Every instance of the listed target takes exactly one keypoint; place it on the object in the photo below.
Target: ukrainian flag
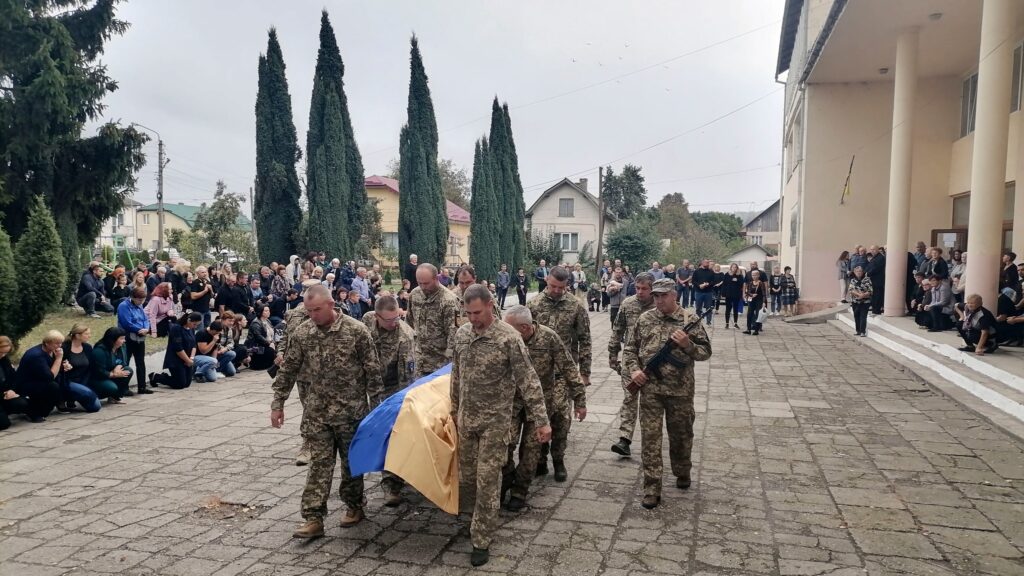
(412, 435)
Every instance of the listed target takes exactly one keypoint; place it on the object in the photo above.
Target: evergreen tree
(517, 233)
(484, 245)
(328, 186)
(501, 174)
(40, 285)
(9, 295)
(422, 215)
(276, 203)
(52, 86)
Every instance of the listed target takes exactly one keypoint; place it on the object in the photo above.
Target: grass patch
(62, 320)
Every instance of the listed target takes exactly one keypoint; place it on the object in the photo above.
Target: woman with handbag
(756, 296)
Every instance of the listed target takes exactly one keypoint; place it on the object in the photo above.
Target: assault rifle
(664, 356)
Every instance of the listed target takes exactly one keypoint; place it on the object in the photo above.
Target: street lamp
(161, 162)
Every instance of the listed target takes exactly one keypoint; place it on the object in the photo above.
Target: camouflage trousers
(481, 456)
(628, 410)
(678, 414)
(559, 409)
(302, 386)
(327, 441)
(523, 437)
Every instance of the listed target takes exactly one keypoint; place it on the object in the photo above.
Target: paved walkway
(813, 456)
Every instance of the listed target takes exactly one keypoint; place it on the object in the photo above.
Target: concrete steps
(992, 392)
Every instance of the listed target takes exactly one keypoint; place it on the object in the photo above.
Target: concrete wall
(856, 119)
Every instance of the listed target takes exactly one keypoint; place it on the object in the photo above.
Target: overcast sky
(684, 89)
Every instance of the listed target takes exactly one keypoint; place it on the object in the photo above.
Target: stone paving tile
(812, 455)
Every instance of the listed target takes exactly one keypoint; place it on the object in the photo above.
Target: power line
(720, 174)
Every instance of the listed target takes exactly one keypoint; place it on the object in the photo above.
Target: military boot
(683, 482)
(515, 504)
(507, 480)
(622, 447)
(479, 557)
(352, 517)
(309, 530)
(651, 501)
(561, 475)
(542, 463)
(303, 457)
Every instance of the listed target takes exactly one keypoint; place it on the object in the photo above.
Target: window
(793, 222)
(389, 240)
(570, 241)
(1015, 85)
(968, 104)
(120, 219)
(962, 206)
(565, 207)
(145, 219)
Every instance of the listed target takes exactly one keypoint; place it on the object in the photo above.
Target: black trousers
(877, 294)
(860, 316)
(502, 294)
(17, 405)
(521, 294)
(137, 353)
(939, 320)
(43, 397)
(732, 305)
(972, 337)
(752, 323)
(180, 377)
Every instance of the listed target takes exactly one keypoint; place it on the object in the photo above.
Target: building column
(988, 167)
(901, 165)
(1018, 200)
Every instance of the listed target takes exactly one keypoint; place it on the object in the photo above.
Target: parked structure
(570, 212)
(924, 99)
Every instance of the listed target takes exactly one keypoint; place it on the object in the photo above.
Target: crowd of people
(936, 296)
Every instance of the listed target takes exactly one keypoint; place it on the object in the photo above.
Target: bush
(41, 278)
(543, 247)
(635, 242)
(387, 276)
(8, 287)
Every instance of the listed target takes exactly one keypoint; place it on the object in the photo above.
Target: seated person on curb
(976, 326)
(10, 401)
(916, 294)
(37, 376)
(1010, 318)
(941, 305)
(91, 294)
(211, 357)
(110, 365)
(921, 315)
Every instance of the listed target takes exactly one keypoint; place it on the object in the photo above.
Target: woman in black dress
(521, 282)
(732, 289)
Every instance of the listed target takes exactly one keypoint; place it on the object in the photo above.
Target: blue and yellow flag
(411, 434)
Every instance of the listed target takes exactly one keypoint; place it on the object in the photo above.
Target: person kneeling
(976, 326)
(211, 357)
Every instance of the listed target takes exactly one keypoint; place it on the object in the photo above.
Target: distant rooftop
(456, 213)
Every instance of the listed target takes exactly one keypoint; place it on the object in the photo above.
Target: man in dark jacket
(875, 271)
(410, 271)
(91, 294)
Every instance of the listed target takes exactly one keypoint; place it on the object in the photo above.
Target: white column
(900, 167)
(988, 168)
(1018, 202)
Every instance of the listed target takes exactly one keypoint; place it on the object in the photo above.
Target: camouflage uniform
(549, 357)
(433, 317)
(669, 397)
(482, 398)
(339, 368)
(622, 331)
(462, 319)
(569, 319)
(397, 370)
(293, 318)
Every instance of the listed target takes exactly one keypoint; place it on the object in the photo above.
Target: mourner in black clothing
(875, 271)
(732, 289)
(756, 295)
(10, 401)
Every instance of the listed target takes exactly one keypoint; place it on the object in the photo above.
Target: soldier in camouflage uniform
(292, 319)
(490, 367)
(568, 318)
(549, 357)
(432, 313)
(622, 330)
(334, 356)
(466, 277)
(669, 397)
(394, 342)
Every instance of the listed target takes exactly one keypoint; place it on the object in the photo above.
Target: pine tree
(422, 215)
(276, 203)
(484, 246)
(40, 284)
(9, 294)
(517, 233)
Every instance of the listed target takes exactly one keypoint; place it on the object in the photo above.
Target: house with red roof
(384, 192)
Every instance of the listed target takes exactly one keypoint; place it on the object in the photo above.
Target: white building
(119, 231)
(570, 212)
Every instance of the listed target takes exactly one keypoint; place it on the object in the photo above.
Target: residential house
(119, 231)
(384, 191)
(919, 103)
(177, 216)
(570, 212)
(751, 253)
(763, 229)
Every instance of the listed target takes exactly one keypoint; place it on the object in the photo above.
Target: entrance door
(950, 239)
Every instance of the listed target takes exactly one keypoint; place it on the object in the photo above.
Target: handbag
(762, 315)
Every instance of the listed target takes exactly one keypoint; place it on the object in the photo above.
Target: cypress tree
(484, 245)
(276, 202)
(517, 232)
(328, 187)
(9, 294)
(502, 177)
(422, 216)
(40, 283)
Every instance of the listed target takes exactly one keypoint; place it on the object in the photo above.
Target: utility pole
(162, 161)
(600, 225)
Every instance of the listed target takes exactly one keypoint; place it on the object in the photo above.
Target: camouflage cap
(663, 286)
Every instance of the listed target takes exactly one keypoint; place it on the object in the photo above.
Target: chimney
(583, 184)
